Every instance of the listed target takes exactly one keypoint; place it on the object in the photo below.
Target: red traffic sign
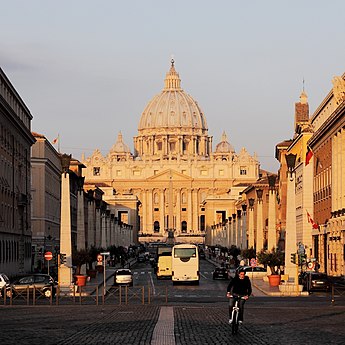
(48, 256)
(99, 258)
(253, 262)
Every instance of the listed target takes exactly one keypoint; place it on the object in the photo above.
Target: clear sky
(86, 69)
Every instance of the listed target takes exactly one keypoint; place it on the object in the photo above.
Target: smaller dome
(120, 146)
(224, 146)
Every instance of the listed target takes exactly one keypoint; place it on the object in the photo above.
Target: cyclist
(240, 285)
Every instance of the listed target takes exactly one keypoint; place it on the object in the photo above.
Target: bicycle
(235, 313)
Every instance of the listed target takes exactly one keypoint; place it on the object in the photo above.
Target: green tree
(272, 259)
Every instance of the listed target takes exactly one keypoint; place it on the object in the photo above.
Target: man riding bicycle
(239, 286)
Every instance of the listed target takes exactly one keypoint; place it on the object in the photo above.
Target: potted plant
(272, 259)
(79, 258)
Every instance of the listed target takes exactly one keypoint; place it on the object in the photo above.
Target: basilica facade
(174, 186)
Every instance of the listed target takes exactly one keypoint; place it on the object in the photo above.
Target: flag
(312, 222)
(308, 156)
(56, 140)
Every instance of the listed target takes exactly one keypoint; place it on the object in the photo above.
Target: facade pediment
(170, 173)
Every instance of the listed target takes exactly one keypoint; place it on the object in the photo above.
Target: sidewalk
(264, 286)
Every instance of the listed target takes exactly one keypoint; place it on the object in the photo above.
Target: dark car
(42, 283)
(220, 273)
(314, 281)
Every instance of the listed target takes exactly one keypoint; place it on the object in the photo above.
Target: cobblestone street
(267, 321)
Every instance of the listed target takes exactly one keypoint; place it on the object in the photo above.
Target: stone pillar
(290, 236)
(251, 242)
(103, 232)
(244, 244)
(98, 223)
(80, 215)
(272, 234)
(259, 222)
(91, 223)
(65, 269)
(234, 230)
(239, 232)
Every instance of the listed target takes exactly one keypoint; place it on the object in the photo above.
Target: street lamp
(251, 203)
(259, 193)
(65, 162)
(290, 161)
(271, 181)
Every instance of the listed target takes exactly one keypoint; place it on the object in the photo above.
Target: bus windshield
(184, 253)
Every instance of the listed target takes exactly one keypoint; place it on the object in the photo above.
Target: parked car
(255, 272)
(123, 276)
(42, 283)
(4, 283)
(220, 273)
(315, 281)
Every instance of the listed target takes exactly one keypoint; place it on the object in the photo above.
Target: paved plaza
(268, 320)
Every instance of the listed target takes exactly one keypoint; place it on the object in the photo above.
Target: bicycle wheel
(234, 325)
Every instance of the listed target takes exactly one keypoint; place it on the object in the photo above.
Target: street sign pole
(104, 273)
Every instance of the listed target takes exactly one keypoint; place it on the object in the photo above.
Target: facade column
(143, 220)
(195, 210)
(150, 211)
(190, 210)
(162, 213)
(65, 269)
(178, 211)
(251, 241)
(272, 233)
(259, 222)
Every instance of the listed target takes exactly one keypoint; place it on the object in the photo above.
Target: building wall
(328, 145)
(46, 203)
(15, 195)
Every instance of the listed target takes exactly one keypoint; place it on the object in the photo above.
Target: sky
(87, 69)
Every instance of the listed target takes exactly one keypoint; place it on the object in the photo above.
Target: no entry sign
(48, 256)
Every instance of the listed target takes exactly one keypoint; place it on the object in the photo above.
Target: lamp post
(290, 237)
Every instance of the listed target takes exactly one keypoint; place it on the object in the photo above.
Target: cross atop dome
(172, 80)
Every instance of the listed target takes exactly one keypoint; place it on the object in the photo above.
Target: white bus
(185, 263)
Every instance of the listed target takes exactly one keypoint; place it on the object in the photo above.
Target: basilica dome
(172, 109)
(224, 146)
